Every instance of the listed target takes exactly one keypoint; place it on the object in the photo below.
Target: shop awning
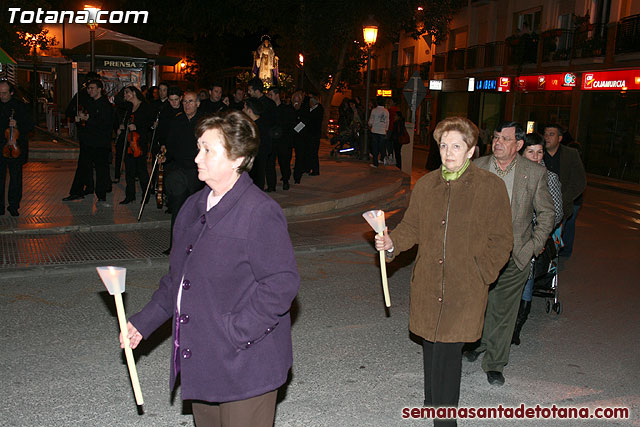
(165, 60)
(5, 58)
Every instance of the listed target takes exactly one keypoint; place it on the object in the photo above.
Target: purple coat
(240, 277)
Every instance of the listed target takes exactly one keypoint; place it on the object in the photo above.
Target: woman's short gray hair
(239, 134)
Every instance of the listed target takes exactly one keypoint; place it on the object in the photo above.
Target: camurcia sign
(611, 80)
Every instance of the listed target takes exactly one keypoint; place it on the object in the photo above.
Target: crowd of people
(160, 121)
(479, 226)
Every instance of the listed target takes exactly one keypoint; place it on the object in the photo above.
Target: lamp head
(370, 31)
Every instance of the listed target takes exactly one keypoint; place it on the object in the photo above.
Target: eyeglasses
(503, 138)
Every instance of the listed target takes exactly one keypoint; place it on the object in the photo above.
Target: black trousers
(281, 152)
(118, 157)
(301, 148)
(91, 158)
(15, 181)
(314, 163)
(83, 178)
(397, 148)
(442, 371)
(258, 172)
(179, 184)
(135, 167)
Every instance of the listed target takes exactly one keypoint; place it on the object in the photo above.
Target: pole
(35, 83)
(92, 36)
(365, 152)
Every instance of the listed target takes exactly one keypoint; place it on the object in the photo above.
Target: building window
(408, 53)
(527, 21)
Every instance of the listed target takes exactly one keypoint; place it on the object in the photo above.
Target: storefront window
(609, 132)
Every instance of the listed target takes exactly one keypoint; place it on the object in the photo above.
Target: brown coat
(463, 229)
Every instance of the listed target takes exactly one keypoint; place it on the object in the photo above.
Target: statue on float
(265, 63)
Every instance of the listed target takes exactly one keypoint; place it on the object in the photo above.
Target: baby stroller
(545, 272)
(346, 143)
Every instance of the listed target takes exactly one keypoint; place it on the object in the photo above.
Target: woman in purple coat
(230, 285)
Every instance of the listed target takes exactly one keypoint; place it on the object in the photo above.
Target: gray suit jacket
(530, 194)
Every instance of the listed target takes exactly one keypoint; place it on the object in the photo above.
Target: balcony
(628, 35)
(406, 71)
(455, 60)
(439, 61)
(589, 42)
(475, 56)
(556, 45)
(493, 54)
(522, 49)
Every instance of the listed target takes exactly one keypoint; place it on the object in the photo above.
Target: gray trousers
(500, 317)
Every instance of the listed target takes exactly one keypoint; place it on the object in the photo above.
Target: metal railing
(439, 61)
(494, 54)
(628, 35)
(556, 45)
(522, 49)
(455, 59)
(590, 41)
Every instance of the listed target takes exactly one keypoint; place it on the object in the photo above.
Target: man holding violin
(16, 124)
(95, 122)
(180, 171)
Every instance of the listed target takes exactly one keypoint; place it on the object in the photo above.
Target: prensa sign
(611, 80)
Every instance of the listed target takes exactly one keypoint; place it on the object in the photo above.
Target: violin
(82, 110)
(159, 183)
(11, 134)
(133, 138)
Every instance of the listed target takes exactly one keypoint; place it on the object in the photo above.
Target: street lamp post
(301, 61)
(370, 34)
(93, 10)
(33, 45)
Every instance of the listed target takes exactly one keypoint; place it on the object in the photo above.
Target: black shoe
(285, 186)
(13, 211)
(167, 251)
(495, 378)
(110, 189)
(87, 192)
(297, 181)
(102, 199)
(471, 355)
(269, 190)
(72, 197)
(127, 200)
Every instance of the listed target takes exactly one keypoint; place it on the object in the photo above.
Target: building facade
(572, 62)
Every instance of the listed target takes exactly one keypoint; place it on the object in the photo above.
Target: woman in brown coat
(460, 217)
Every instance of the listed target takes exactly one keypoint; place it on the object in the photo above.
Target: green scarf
(452, 176)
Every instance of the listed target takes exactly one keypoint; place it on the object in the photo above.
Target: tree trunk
(327, 95)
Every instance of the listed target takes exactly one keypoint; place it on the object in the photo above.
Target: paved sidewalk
(52, 233)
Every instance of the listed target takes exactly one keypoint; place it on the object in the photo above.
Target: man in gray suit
(528, 190)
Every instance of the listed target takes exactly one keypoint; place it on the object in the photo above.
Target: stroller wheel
(548, 307)
(557, 307)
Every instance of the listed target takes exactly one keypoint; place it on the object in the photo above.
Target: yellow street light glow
(301, 58)
(370, 34)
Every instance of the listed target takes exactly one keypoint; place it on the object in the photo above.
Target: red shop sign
(611, 80)
(564, 81)
(504, 84)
